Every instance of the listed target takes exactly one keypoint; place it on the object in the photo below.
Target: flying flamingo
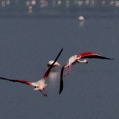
(38, 85)
(78, 59)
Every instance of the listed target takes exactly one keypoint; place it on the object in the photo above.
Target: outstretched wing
(20, 81)
(61, 80)
(91, 55)
(49, 69)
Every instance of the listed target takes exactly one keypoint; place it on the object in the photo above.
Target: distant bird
(38, 85)
(78, 59)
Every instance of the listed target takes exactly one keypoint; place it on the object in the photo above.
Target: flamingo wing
(61, 80)
(49, 69)
(91, 55)
(20, 81)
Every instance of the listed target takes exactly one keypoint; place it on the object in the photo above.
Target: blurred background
(32, 32)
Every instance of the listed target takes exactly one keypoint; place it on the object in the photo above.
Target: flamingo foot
(44, 94)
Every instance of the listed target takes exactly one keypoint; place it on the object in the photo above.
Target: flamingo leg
(43, 93)
(66, 72)
(69, 69)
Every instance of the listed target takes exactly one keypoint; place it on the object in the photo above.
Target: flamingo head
(50, 63)
(85, 61)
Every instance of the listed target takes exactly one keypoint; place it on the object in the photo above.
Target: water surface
(33, 32)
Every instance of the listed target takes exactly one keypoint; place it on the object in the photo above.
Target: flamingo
(79, 58)
(38, 85)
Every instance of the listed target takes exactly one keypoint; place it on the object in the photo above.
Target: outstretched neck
(83, 61)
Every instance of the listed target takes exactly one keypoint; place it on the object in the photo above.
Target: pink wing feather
(91, 55)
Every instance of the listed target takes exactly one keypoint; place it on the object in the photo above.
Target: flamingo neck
(83, 61)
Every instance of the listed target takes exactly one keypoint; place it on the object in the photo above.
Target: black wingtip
(61, 80)
(102, 57)
(61, 49)
(61, 86)
(106, 58)
(3, 78)
(111, 59)
(60, 92)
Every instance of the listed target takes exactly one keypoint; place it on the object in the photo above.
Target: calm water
(33, 32)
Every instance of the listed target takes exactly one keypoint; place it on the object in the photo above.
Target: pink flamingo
(78, 59)
(39, 85)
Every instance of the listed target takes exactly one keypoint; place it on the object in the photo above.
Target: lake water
(32, 32)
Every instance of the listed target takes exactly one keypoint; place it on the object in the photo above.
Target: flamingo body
(39, 85)
(72, 60)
